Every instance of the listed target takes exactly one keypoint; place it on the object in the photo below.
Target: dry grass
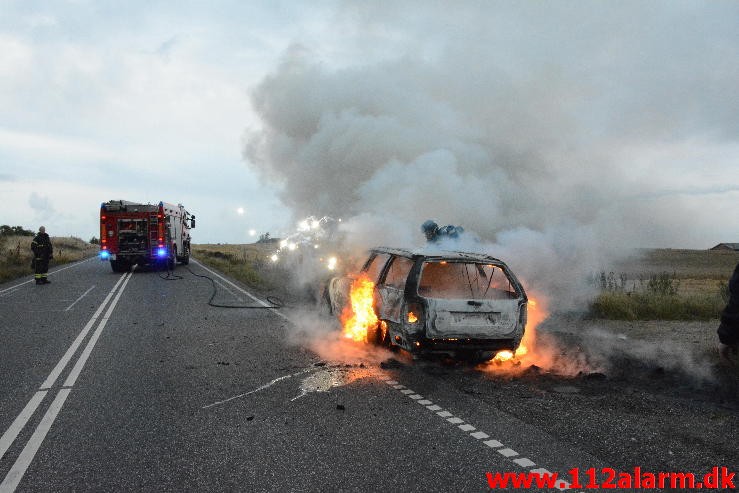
(15, 254)
(667, 285)
(246, 263)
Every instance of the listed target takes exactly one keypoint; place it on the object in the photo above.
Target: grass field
(16, 254)
(665, 285)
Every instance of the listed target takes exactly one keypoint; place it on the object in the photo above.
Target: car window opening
(461, 280)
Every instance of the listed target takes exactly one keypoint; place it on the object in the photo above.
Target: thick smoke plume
(526, 141)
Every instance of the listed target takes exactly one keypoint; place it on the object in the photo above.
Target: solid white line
(20, 422)
(52, 272)
(51, 379)
(78, 299)
(263, 303)
(29, 451)
(227, 289)
(72, 378)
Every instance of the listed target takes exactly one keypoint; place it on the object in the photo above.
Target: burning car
(468, 305)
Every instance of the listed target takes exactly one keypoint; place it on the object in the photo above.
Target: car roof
(439, 255)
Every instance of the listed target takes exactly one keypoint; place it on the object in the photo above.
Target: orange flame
(360, 315)
(535, 315)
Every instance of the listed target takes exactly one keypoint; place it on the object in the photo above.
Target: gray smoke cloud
(509, 119)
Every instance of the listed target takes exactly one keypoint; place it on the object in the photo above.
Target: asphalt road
(130, 382)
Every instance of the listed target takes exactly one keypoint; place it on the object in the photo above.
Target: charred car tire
(374, 335)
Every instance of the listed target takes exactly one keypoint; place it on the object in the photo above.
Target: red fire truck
(132, 233)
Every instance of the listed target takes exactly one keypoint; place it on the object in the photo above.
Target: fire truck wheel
(185, 260)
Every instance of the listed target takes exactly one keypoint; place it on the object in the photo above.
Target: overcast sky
(629, 109)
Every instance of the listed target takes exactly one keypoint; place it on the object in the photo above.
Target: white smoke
(520, 155)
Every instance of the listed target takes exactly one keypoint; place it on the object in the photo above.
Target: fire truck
(132, 233)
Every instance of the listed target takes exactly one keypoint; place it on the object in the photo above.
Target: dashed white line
(506, 452)
(478, 435)
(78, 299)
(524, 462)
(50, 273)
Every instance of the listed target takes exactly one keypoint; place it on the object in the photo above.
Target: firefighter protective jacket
(41, 246)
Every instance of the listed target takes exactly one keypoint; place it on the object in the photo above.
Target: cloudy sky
(609, 120)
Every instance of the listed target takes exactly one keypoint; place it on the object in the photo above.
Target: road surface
(130, 382)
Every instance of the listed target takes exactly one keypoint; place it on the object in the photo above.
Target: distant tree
(6, 230)
(94, 241)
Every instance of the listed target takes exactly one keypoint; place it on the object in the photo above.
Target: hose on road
(274, 302)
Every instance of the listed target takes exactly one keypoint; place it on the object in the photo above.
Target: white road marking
(78, 299)
(16, 473)
(25, 415)
(51, 379)
(52, 272)
(261, 302)
(478, 435)
(72, 377)
(20, 422)
(238, 298)
(524, 462)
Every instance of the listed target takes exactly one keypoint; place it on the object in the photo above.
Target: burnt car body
(467, 305)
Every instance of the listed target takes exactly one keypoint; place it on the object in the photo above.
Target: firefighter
(434, 233)
(728, 330)
(42, 253)
(430, 230)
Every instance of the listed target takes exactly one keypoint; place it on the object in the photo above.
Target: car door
(390, 291)
(340, 288)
